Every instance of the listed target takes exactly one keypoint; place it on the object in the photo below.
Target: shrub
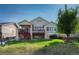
(55, 36)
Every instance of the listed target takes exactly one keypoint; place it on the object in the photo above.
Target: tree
(67, 20)
(77, 27)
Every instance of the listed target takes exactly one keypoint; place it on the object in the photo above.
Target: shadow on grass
(46, 49)
(59, 49)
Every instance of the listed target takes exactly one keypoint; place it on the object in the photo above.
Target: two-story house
(38, 28)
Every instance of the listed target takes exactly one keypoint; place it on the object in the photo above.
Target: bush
(55, 36)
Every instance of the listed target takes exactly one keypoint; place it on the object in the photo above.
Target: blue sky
(18, 12)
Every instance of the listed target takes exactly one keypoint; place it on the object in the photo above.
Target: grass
(40, 47)
(26, 47)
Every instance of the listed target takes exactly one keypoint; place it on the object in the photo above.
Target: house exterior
(50, 29)
(25, 31)
(8, 30)
(38, 28)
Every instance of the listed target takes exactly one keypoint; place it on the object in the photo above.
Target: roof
(39, 18)
(53, 22)
(50, 23)
(2, 23)
(5, 23)
(24, 21)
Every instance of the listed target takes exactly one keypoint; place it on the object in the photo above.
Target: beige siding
(50, 32)
(39, 22)
(9, 30)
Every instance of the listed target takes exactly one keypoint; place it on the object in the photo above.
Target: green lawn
(40, 47)
(26, 47)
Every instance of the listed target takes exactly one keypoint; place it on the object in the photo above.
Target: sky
(19, 12)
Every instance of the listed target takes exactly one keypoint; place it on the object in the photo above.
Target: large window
(38, 28)
(47, 28)
(51, 29)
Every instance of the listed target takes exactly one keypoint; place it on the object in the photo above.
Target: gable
(51, 24)
(39, 21)
(24, 22)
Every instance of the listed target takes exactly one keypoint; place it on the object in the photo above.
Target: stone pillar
(17, 34)
(46, 33)
(31, 32)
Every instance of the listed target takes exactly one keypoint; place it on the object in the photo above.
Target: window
(54, 29)
(50, 29)
(47, 28)
(38, 28)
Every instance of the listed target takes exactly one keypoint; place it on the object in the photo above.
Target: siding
(8, 30)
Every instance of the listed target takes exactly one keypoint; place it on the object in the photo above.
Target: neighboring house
(8, 30)
(38, 28)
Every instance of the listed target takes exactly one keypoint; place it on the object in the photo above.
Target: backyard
(40, 47)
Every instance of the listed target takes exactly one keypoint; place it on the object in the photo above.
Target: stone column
(17, 34)
(31, 32)
(46, 33)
